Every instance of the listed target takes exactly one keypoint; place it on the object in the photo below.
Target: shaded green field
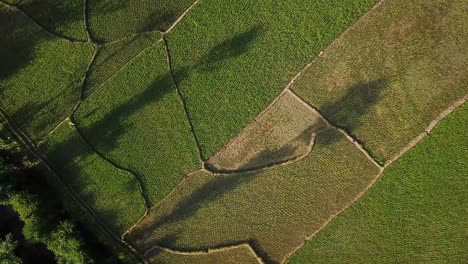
(113, 57)
(64, 17)
(114, 195)
(416, 213)
(114, 19)
(274, 209)
(233, 57)
(394, 72)
(241, 254)
(40, 76)
(137, 120)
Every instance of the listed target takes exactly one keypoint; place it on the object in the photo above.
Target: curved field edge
(227, 255)
(414, 213)
(292, 201)
(255, 52)
(137, 120)
(113, 194)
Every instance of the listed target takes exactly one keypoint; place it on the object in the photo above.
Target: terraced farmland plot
(272, 210)
(64, 17)
(416, 213)
(240, 54)
(392, 73)
(40, 75)
(113, 194)
(137, 120)
(115, 19)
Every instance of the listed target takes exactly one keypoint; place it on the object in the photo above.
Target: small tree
(7, 251)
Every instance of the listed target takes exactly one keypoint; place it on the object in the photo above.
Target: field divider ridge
(28, 143)
(433, 124)
(37, 24)
(356, 142)
(87, 29)
(182, 99)
(207, 251)
(179, 184)
(121, 68)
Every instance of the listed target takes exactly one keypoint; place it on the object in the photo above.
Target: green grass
(274, 209)
(241, 254)
(137, 120)
(64, 17)
(388, 77)
(114, 19)
(416, 213)
(40, 76)
(114, 195)
(112, 57)
(232, 58)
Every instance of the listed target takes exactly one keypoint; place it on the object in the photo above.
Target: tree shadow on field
(229, 49)
(347, 112)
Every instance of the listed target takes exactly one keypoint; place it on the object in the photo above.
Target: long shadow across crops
(360, 98)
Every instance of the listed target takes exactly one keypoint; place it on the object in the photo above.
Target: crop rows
(115, 19)
(232, 58)
(114, 195)
(137, 120)
(112, 57)
(290, 202)
(415, 213)
(392, 73)
(40, 75)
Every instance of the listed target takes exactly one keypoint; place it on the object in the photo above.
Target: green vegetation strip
(113, 57)
(231, 58)
(416, 213)
(137, 121)
(391, 74)
(113, 194)
(40, 75)
(232, 255)
(64, 18)
(115, 19)
(274, 210)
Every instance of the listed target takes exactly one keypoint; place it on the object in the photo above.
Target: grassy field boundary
(433, 124)
(181, 97)
(37, 24)
(86, 22)
(121, 67)
(455, 105)
(207, 251)
(28, 143)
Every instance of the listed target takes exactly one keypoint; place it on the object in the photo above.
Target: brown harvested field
(232, 255)
(392, 73)
(283, 132)
(274, 210)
